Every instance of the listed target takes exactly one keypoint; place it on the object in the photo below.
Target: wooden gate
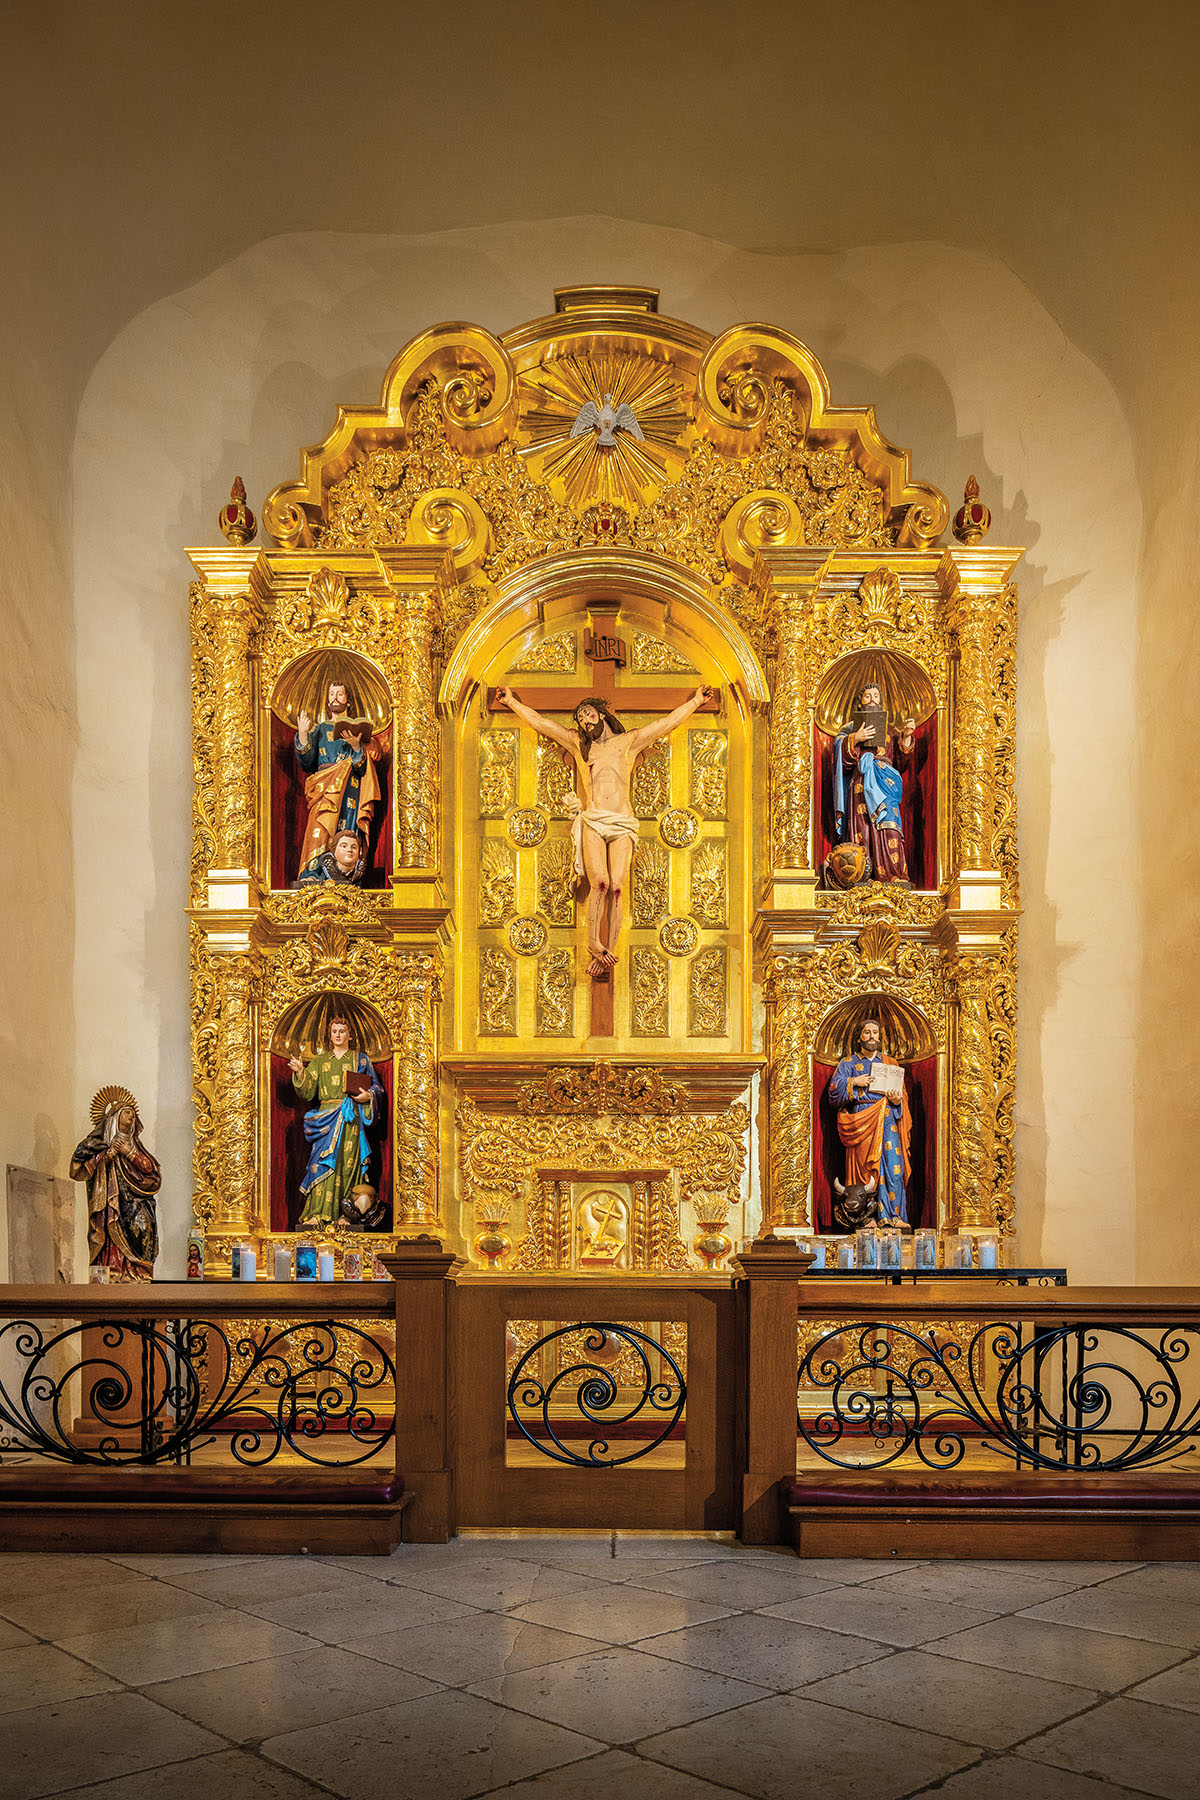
(595, 1432)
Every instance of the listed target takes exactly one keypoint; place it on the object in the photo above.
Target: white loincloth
(606, 825)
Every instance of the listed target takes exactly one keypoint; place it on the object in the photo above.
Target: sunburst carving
(629, 472)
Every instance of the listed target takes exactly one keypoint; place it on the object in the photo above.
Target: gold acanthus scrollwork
(790, 779)
(236, 619)
(372, 504)
(497, 773)
(708, 785)
(1001, 1002)
(708, 884)
(497, 881)
(651, 868)
(238, 979)
(652, 656)
(418, 993)
(708, 1007)
(329, 957)
(555, 781)
(651, 786)
(204, 747)
(326, 610)
(789, 1101)
(553, 655)
(882, 613)
(206, 1069)
(639, 1092)
(556, 881)
(828, 499)
(973, 1098)
(1004, 730)
(502, 1154)
(649, 993)
(342, 900)
(418, 740)
(554, 993)
(497, 993)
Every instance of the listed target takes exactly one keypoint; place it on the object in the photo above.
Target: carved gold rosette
(454, 539)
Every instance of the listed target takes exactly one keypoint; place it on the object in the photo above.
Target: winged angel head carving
(606, 421)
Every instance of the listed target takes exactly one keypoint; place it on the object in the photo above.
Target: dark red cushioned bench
(994, 1514)
(264, 1511)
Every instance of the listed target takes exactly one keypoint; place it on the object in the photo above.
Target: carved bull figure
(856, 1205)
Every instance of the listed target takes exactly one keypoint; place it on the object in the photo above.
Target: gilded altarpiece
(462, 538)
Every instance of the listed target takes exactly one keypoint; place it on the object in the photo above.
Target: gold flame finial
(236, 520)
(972, 519)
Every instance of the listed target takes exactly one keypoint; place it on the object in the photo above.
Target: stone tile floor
(592, 1667)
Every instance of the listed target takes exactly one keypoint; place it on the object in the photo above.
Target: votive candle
(283, 1263)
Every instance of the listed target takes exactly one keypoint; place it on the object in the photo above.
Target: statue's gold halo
(304, 1028)
(907, 1034)
(904, 687)
(107, 1097)
(304, 687)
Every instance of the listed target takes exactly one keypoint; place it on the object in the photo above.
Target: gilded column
(974, 758)
(789, 1095)
(235, 616)
(237, 978)
(973, 1102)
(418, 986)
(791, 780)
(418, 775)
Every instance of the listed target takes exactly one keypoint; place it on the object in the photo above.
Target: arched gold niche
(302, 1029)
(683, 980)
(907, 1033)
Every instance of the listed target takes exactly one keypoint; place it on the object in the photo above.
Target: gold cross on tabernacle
(604, 653)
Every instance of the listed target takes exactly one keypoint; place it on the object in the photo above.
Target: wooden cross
(603, 683)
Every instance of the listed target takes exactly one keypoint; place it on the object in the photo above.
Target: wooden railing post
(425, 1277)
(767, 1273)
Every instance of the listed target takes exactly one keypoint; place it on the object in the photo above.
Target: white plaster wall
(965, 366)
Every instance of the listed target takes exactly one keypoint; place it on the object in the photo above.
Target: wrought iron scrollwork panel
(141, 1391)
(1094, 1398)
(588, 1389)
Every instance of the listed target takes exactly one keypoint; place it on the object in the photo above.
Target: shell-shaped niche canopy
(304, 687)
(907, 1034)
(304, 1028)
(904, 688)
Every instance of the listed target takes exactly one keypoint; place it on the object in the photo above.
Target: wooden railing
(157, 1374)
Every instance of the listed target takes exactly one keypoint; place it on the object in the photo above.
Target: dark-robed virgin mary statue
(122, 1179)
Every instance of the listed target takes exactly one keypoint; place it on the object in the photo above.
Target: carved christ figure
(603, 827)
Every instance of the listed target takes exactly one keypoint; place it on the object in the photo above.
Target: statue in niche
(345, 1095)
(604, 828)
(874, 1124)
(338, 760)
(343, 860)
(869, 763)
(122, 1179)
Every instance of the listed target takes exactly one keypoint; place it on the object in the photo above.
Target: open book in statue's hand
(357, 1085)
(352, 729)
(887, 1079)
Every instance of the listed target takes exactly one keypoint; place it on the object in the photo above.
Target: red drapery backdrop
(289, 815)
(829, 1156)
(289, 1146)
(918, 808)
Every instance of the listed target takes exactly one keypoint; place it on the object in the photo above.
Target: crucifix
(604, 829)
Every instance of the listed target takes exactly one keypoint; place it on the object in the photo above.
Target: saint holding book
(347, 1094)
(869, 763)
(874, 1122)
